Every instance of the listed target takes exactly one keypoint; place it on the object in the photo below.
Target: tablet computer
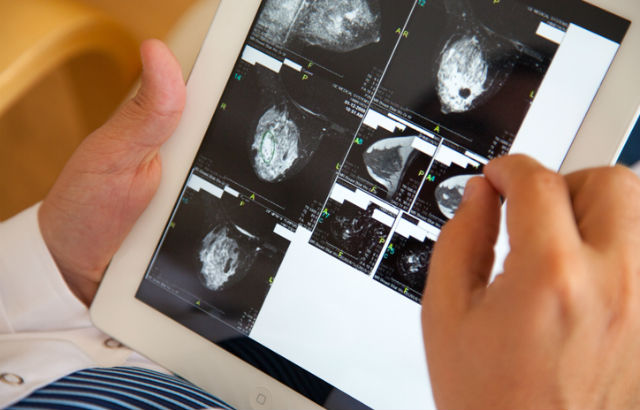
(323, 146)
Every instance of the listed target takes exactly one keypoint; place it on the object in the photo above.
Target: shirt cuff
(33, 293)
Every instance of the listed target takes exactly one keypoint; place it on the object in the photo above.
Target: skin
(558, 329)
(112, 176)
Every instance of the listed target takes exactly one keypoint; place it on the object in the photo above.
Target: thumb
(112, 176)
(463, 256)
(140, 127)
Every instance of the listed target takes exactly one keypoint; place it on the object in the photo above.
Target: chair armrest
(39, 35)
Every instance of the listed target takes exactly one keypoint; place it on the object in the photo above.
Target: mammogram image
(236, 238)
(405, 265)
(335, 25)
(287, 134)
(413, 264)
(389, 165)
(449, 194)
(463, 74)
(386, 161)
(470, 69)
(474, 62)
(222, 253)
(273, 138)
(227, 254)
(276, 144)
(442, 191)
(352, 230)
(351, 234)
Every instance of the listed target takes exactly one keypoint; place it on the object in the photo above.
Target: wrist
(77, 278)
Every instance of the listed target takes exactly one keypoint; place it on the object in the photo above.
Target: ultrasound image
(476, 74)
(221, 255)
(351, 234)
(405, 265)
(335, 25)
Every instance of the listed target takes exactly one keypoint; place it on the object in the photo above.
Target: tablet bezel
(116, 309)
(616, 103)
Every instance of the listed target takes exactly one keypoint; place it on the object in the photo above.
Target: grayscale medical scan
(346, 135)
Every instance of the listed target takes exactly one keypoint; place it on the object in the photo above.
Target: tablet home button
(261, 399)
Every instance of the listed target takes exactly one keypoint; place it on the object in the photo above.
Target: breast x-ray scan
(403, 101)
(352, 233)
(222, 255)
(340, 26)
(348, 131)
(406, 259)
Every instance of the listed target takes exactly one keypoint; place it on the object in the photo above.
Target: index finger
(539, 208)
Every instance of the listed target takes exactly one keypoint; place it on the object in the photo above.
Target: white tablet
(323, 146)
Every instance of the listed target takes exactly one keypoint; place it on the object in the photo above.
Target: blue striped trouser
(120, 388)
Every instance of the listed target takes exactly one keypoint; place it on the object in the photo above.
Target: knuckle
(544, 180)
(621, 179)
(560, 264)
(623, 173)
(612, 190)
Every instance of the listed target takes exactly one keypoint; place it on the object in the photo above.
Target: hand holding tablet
(314, 169)
(458, 306)
(111, 179)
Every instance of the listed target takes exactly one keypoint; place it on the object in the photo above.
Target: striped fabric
(120, 388)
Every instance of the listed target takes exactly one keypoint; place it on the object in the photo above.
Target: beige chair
(38, 36)
(83, 58)
(63, 49)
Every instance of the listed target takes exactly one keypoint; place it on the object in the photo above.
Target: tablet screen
(341, 146)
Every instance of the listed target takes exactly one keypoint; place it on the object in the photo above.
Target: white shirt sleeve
(636, 169)
(45, 331)
(33, 294)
